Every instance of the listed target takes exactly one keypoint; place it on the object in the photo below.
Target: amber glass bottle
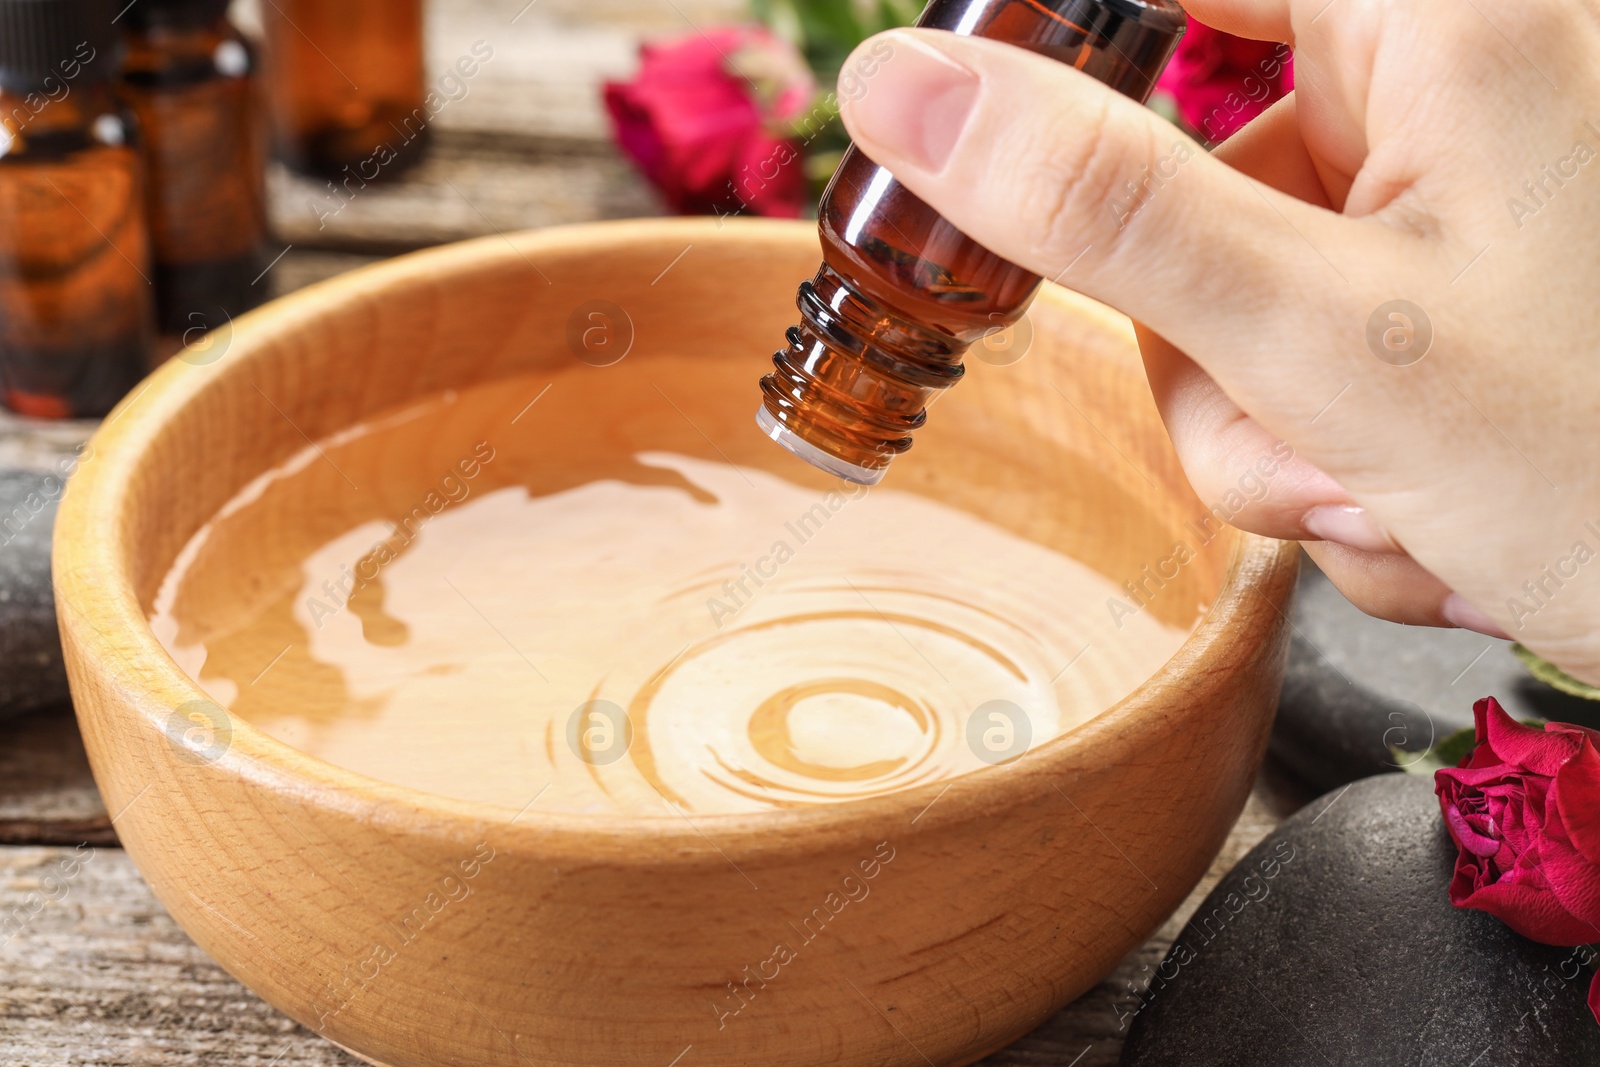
(189, 78)
(901, 293)
(344, 85)
(75, 291)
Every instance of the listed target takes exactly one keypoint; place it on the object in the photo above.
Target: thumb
(1057, 173)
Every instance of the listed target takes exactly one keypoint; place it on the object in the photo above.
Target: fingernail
(1348, 525)
(917, 107)
(1458, 612)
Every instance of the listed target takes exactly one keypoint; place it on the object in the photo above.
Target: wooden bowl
(995, 898)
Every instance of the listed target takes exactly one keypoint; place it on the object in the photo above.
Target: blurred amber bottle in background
(190, 79)
(344, 82)
(75, 290)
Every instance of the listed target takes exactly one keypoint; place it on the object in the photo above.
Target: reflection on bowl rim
(98, 492)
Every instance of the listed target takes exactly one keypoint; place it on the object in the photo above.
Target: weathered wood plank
(47, 795)
(548, 65)
(97, 973)
(40, 444)
(467, 186)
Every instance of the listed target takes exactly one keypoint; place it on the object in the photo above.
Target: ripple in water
(684, 635)
(826, 691)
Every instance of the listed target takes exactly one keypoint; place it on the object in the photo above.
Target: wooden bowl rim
(102, 615)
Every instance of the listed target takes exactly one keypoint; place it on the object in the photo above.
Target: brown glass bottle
(190, 79)
(75, 292)
(344, 85)
(902, 294)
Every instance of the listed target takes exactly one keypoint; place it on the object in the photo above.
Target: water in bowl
(492, 596)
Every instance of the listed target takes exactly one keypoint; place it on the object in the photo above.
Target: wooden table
(92, 970)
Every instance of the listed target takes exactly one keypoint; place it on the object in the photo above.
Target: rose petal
(1572, 879)
(1468, 877)
(1480, 719)
(1220, 82)
(1539, 751)
(1557, 727)
(1468, 836)
(1518, 836)
(697, 131)
(783, 194)
(1482, 769)
(1575, 798)
(1483, 756)
(1534, 913)
(1527, 869)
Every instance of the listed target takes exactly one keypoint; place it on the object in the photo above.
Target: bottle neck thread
(855, 380)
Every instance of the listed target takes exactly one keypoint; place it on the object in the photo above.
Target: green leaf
(1449, 752)
(782, 19)
(821, 165)
(1554, 676)
(825, 31)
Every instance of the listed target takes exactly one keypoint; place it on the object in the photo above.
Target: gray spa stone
(1333, 942)
(1356, 685)
(31, 671)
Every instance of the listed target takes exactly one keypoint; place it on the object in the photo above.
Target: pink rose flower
(1524, 810)
(1221, 82)
(703, 120)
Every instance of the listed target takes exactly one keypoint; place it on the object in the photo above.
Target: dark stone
(1333, 942)
(31, 671)
(1356, 685)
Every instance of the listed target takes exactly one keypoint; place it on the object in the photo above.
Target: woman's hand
(1396, 270)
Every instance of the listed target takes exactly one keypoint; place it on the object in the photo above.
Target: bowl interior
(644, 338)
